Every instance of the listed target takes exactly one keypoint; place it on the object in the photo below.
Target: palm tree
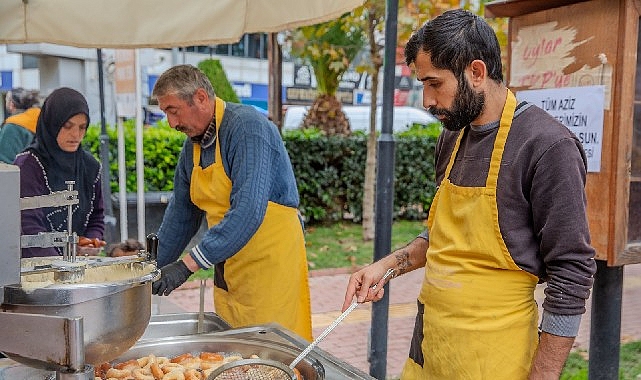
(329, 48)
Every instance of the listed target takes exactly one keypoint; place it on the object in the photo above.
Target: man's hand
(360, 284)
(403, 260)
(171, 276)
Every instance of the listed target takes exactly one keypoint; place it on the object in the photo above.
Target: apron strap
(196, 154)
(453, 156)
(499, 143)
(220, 110)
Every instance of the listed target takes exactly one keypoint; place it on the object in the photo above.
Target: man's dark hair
(453, 40)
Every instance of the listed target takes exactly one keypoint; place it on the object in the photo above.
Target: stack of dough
(151, 367)
(182, 367)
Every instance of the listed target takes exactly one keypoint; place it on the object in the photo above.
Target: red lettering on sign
(532, 53)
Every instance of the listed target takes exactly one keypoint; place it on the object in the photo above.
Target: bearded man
(509, 212)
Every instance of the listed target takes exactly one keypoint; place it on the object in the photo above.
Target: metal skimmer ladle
(258, 369)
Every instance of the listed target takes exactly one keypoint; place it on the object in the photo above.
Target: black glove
(171, 276)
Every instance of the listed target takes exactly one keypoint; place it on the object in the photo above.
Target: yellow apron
(266, 281)
(477, 314)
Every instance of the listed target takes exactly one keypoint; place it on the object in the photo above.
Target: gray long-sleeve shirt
(541, 204)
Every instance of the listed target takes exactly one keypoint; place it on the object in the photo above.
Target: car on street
(404, 117)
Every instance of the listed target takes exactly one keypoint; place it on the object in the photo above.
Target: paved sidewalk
(349, 340)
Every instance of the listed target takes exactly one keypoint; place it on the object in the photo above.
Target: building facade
(46, 67)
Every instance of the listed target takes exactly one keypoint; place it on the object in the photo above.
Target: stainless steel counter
(175, 334)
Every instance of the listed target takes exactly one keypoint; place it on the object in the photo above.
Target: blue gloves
(171, 276)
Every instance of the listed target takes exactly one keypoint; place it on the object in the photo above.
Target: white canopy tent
(169, 23)
(156, 23)
(127, 24)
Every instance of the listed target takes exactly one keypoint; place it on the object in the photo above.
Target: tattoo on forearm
(403, 261)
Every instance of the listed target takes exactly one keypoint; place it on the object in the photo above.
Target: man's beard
(467, 106)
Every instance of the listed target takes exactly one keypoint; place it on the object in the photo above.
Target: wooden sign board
(570, 45)
(125, 82)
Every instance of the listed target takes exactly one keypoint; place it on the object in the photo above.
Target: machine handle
(152, 246)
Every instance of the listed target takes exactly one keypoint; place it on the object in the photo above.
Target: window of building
(29, 61)
(222, 49)
(250, 45)
(257, 46)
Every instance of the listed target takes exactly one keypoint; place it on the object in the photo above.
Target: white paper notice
(578, 108)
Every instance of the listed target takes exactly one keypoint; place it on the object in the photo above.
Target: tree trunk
(275, 64)
(327, 114)
(369, 185)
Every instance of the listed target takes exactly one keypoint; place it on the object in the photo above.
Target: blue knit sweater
(255, 159)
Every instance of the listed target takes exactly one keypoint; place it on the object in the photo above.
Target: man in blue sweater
(234, 171)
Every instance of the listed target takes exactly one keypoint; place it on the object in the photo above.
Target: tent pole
(140, 159)
(110, 220)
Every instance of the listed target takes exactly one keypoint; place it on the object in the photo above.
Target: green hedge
(213, 69)
(329, 169)
(161, 148)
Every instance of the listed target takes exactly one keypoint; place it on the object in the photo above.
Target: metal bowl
(309, 367)
(115, 313)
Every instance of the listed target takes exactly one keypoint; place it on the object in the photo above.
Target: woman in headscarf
(56, 156)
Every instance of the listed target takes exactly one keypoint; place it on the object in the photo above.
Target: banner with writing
(578, 108)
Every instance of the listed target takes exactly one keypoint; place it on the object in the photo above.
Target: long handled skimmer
(257, 369)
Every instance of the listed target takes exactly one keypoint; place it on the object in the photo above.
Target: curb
(332, 271)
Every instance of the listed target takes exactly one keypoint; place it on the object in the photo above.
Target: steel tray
(182, 324)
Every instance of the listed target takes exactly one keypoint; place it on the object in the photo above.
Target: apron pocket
(219, 276)
(416, 353)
